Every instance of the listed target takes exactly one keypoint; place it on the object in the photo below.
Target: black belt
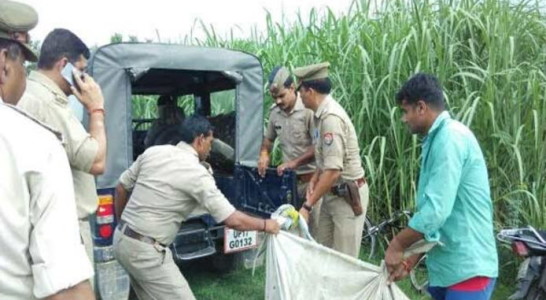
(125, 229)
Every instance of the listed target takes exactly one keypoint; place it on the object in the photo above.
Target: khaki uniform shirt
(42, 252)
(336, 144)
(45, 101)
(294, 132)
(169, 184)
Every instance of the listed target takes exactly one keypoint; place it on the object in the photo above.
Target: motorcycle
(529, 244)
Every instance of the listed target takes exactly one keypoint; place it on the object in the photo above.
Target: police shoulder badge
(328, 138)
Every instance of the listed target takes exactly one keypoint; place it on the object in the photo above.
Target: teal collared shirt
(454, 205)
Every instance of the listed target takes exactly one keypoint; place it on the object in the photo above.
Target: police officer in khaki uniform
(42, 254)
(46, 98)
(339, 178)
(168, 184)
(290, 121)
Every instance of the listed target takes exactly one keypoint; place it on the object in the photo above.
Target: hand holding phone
(69, 72)
(83, 87)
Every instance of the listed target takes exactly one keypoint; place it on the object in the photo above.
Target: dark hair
(58, 44)
(424, 87)
(287, 83)
(322, 86)
(193, 127)
(13, 48)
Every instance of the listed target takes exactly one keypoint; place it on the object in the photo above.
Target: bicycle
(371, 232)
(382, 233)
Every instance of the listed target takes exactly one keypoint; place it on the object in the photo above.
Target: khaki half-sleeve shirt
(42, 252)
(294, 132)
(168, 185)
(335, 140)
(45, 101)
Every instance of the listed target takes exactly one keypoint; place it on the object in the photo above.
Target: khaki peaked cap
(279, 79)
(16, 17)
(312, 72)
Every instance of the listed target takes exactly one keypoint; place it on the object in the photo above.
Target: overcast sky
(96, 21)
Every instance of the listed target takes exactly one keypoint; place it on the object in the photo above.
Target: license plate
(235, 240)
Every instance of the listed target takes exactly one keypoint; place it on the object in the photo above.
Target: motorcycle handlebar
(527, 234)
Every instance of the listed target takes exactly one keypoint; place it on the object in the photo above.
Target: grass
(239, 284)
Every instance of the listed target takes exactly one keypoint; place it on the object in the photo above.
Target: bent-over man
(168, 184)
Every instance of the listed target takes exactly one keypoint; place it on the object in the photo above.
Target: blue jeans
(444, 293)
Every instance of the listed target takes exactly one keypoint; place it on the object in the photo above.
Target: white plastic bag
(299, 268)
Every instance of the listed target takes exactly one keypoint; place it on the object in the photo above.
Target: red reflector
(105, 210)
(105, 231)
(519, 248)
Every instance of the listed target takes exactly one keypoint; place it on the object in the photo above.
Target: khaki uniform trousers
(85, 234)
(339, 229)
(153, 273)
(315, 213)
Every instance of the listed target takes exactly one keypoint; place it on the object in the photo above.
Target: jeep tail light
(105, 216)
(520, 248)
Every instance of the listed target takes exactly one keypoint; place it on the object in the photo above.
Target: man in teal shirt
(453, 201)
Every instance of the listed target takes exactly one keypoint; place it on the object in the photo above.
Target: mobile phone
(68, 73)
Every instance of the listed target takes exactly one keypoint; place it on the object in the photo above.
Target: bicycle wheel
(369, 238)
(419, 275)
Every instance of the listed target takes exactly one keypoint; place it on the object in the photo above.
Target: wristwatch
(307, 207)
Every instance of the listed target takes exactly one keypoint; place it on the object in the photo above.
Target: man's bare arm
(394, 256)
(97, 131)
(81, 291)
(241, 221)
(306, 157)
(120, 200)
(326, 180)
(263, 160)
(90, 95)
